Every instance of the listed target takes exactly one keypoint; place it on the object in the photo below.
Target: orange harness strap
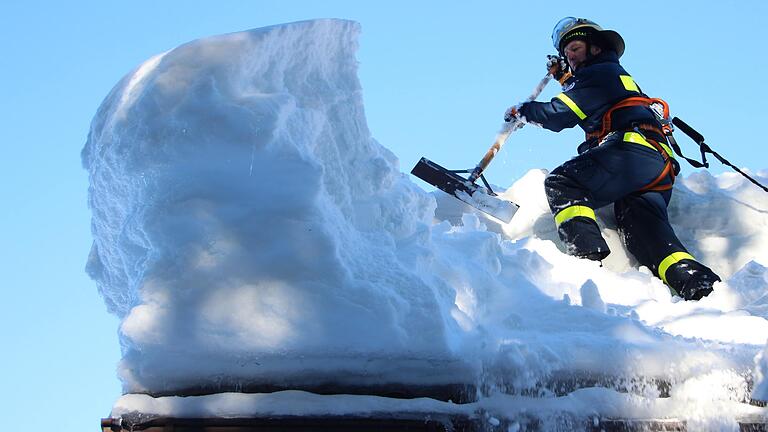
(628, 102)
(666, 171)
(644, 101)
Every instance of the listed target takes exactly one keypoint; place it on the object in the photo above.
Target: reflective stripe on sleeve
(671, 260)
(629, 83)
(572, 212)
(572, 105)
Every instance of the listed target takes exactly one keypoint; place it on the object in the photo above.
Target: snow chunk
(760, 391)
(590, 297)
(246, 223)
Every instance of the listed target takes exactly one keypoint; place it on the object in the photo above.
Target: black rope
(725, 162)
(699, 139)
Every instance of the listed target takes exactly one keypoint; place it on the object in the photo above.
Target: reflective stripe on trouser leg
(643, 224)
(572, 212)
(582, 238)
(578, 229)
(671, 260)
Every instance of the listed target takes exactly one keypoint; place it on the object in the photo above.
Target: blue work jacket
(588, 95)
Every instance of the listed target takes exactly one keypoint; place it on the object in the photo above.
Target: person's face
(576, 53)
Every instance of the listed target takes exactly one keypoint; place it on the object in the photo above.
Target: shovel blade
(464, 190)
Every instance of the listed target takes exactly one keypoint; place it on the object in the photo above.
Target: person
(625, 160)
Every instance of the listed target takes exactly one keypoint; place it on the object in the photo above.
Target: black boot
(583, 239)
(691, 280)
(699, 285)
(595, 256)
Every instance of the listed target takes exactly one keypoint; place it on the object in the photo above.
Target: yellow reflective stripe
(573, 211)
(629, 83)
(670, 260)
(667, 149)
(636, 138)
(572, 105)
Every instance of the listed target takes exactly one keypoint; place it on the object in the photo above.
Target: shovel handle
(506, 130)
(501, 138)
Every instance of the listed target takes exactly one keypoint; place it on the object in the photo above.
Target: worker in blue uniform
(625, 159)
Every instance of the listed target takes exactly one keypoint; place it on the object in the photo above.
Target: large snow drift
(247, 227)
(249, 232)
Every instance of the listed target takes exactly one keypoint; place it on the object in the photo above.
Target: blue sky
(436, 78)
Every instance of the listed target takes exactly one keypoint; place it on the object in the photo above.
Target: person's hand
(558, 67)
(513, 113)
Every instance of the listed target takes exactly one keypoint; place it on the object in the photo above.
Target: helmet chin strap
(589, 55)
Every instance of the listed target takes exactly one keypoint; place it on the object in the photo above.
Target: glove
(558, 67)
(513, 113)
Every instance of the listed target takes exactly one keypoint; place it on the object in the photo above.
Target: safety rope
(661, 109)
(699, 139)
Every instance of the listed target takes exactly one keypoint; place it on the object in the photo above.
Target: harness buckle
(608, 136)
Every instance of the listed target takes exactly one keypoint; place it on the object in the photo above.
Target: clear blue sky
(436, 76)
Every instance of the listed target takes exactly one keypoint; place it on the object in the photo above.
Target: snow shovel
(465, 189)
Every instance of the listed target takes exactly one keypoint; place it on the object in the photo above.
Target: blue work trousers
(615, 172)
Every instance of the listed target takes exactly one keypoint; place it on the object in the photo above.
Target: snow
(249, 231)
(590, 297)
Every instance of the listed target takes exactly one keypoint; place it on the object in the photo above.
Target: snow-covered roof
(251, 233)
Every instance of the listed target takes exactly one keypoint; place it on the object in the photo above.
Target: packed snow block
(760, 390)
(251, 234)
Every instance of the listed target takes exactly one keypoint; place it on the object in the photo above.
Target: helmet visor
(561, 28)
(567, 24)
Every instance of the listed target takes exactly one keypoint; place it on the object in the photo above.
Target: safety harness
(630, 102)
(638, 135)
(661, 109)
